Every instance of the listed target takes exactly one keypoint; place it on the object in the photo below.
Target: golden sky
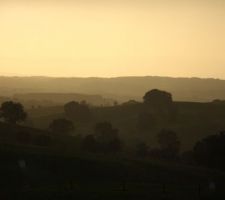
(113, 38)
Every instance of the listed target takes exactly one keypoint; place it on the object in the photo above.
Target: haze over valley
(112, 99)
(119, 89)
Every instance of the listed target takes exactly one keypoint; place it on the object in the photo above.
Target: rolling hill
(28, 172)
(193, 122)
(121, 88)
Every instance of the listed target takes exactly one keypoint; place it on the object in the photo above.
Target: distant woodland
(120, 89)
(72, 141)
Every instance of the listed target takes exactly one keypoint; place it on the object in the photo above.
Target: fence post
(71, 184)
(164, 190)
(124, 188)
(199, 190)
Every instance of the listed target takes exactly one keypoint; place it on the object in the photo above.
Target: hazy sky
(112, 38)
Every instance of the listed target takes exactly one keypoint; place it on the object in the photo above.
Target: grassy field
(47, 175)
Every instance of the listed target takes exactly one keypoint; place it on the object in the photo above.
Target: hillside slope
(193, 122)
(121, 88)
(45, 175)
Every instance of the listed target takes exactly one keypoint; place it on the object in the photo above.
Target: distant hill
(50, 99)
(121, 88)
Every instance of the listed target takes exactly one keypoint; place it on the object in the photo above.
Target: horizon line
(108, 77)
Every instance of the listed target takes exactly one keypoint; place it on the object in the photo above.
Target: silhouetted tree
(78, 111)
(83, 102)
(42, 140)
(61, 127)
(115, 145)
(187, 157)
(107, 137)
(218, 101)
(13, 112)
(23, 137)
(210, 151)
(146, 121)
(71, 109)
(157, 98)
(115, 103)
(89, 143)
(130, 102)
(142, 149)
(160, 103)
(156, 153)
(104, 132)
(169, 144)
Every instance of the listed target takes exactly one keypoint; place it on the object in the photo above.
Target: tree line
(157, 105)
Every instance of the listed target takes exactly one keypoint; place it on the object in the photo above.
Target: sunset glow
(95, 38)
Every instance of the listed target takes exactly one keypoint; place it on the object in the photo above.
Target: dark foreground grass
(53, 177)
